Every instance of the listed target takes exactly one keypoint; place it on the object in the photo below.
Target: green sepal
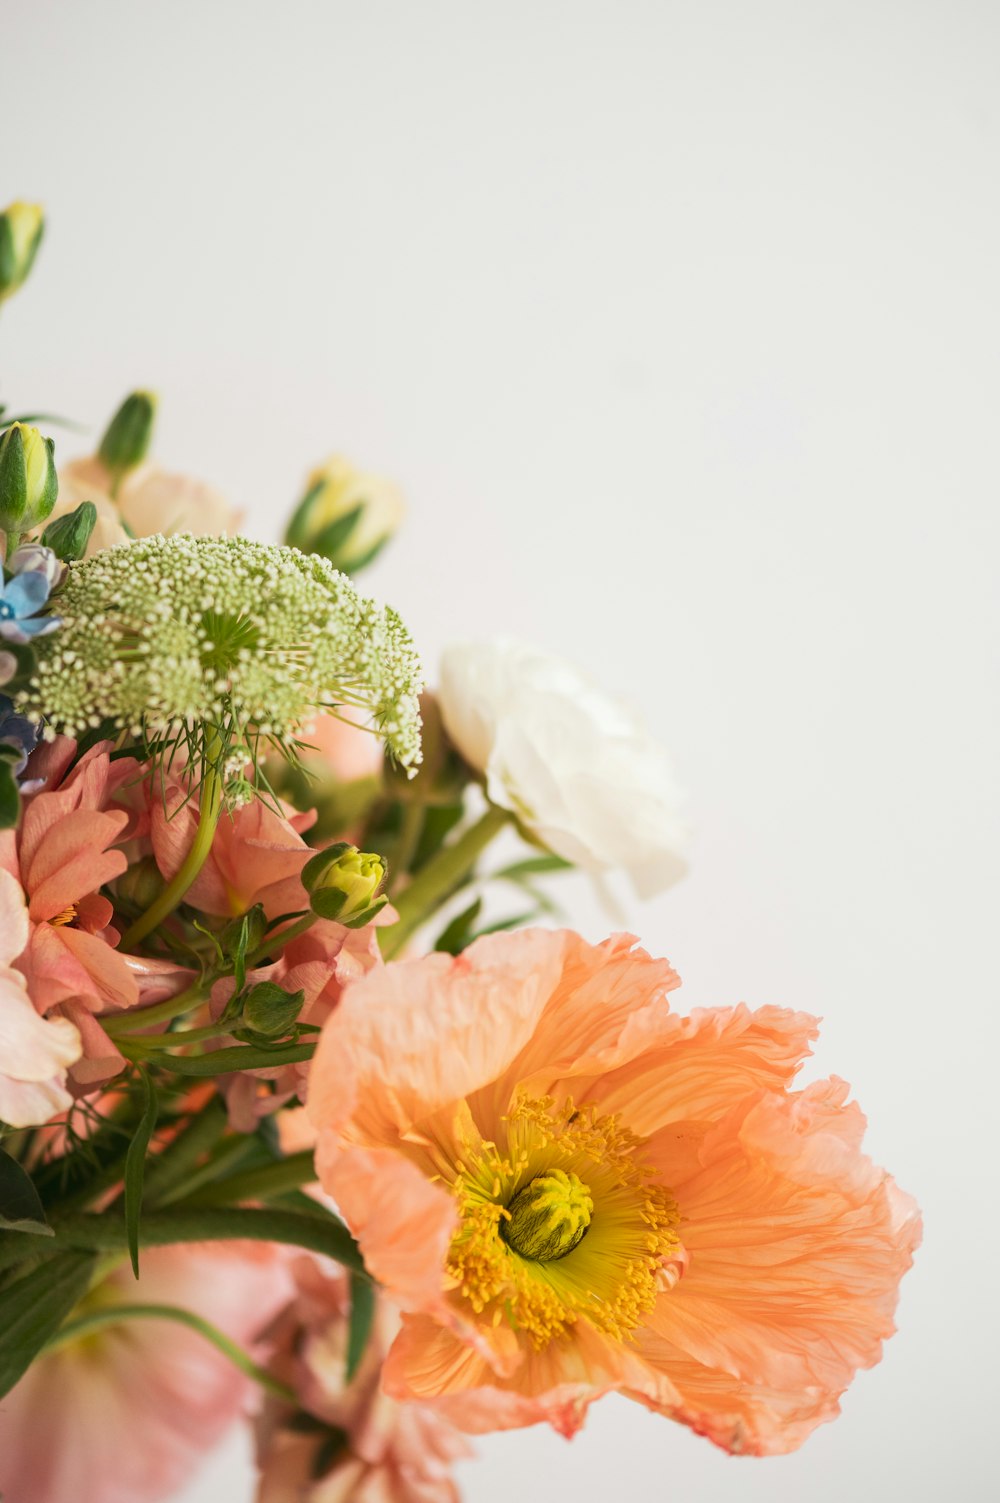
(21, 1209)
(297, 531)
(68, 536)
(241, 937)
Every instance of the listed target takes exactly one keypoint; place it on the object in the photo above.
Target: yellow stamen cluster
(561, 1220)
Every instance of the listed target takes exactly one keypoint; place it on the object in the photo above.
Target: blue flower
(20, 600)
(18, 730)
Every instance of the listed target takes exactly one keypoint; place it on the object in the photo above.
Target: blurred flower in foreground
(34, 1053)
(125, 1414)
(587, 1192)
(345, 515)
(349, 1443)
(575, 767)
(21, 228)
(148, 500)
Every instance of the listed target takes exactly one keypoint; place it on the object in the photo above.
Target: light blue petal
(38, 626)
(27, 592)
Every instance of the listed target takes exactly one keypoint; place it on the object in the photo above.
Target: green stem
(113, 1315)
(179, 1158)
(410, 830)
(238, 1057)
(438, 880)
(276, 942)
(106, 1233)
(13, 543)
(173, 893)
(125, 1023)
(258, 1184)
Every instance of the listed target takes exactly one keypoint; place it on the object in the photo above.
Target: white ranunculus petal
(574, 764)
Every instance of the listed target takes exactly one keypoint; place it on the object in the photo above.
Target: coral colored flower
(63, 852)
(34, 1052)
(570, 1190)
(386, 1452)
(125, 1414)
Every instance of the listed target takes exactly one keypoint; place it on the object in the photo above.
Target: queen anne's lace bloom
(168, 634)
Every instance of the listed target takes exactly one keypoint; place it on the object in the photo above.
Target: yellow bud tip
(548, 1217)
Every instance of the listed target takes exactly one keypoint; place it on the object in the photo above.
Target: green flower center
(549, 1217)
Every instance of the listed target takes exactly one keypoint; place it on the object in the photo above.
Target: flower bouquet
(297, 1118)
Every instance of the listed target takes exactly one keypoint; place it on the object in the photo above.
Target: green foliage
(68, 536)
(33, 1307)
(135, 1167)
(21, 1208)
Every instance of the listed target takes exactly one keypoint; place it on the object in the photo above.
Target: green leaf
(459, 933)
(10, 799)
(241, 937)
(271, 1010)
(439, 822)
(328, 542)
(68, 536)
(135, 1167)
(534, 866)
(21, 1209)
(240, 1057)
(360, 1326)
(34, 1307)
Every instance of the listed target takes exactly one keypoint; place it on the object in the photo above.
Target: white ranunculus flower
(575, 766)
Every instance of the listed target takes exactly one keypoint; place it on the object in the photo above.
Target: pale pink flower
(393, 1453)
(148, 500)
(126, 1414)
(570, 1190)
(34, 1052)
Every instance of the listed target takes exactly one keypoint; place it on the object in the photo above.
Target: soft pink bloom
(256, 855)
(570, 1189)
(125, 1414)
(149, 500)
(337, 748)
(394, 1453)
(34, 1052)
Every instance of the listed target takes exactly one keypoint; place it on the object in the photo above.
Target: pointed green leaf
(21, 1209)
(34, 1307)
(458, 934)
(135, 1167)
(362, 1316)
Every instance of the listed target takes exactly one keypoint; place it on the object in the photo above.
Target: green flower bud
(21, 227)
(126, 441)
(28, 484)
(344, 883)
(68, 536)
(345, 516)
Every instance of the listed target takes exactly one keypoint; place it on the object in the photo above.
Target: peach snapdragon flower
(569, 1190)
(348, 1441)
(125, 1414)
(35, 1052)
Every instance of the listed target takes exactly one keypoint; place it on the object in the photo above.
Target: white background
(679, 325)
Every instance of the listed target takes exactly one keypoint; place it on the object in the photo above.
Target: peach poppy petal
(705, 1061)
(413, 1037)
(797, 1244)
(403, 1222)
(431, 1364)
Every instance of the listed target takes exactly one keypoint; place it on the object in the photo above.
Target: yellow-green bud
(345, 516)
(28, 483)
(127, 439)
(21, 228)
(548, 1217)
(345, 884)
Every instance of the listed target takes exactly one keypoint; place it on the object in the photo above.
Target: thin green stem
(179, 1158)
(173, 893)
(227, 1154)
(438, 880)
(410, 830)
(112, 1315)
(276, 942)
(126, 1023)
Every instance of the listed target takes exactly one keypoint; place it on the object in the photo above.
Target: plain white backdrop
(678, 324)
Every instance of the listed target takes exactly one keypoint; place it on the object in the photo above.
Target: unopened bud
(345, 516)
(127, 439)
(344, 883)
(21, 228)
(28, 483)
(68, 536)
(141, 884)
